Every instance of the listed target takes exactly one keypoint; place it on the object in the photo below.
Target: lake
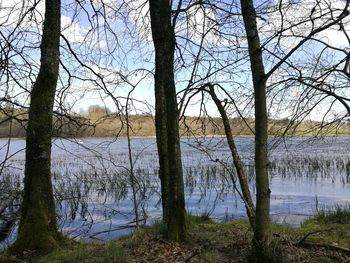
(92, 183)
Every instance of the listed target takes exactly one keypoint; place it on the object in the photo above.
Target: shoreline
(186, 137)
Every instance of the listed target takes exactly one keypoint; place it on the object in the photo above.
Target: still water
(91, 178)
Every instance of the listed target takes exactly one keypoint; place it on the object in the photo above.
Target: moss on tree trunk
(37, 229)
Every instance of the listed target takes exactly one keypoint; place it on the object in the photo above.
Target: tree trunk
(243, 180)
(260, 239)
(37, 228)
(167, 121)
(132, 178)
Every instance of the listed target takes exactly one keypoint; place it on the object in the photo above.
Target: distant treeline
(102, 123)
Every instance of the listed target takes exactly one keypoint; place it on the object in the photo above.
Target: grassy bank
(325, 238)
(101, 123)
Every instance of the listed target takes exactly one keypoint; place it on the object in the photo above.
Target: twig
(301, 241)
(327, 246)
(111, 230)
(324, 245)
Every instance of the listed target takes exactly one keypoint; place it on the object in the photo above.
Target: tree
(260, 239)
(242, 177)
(167, 121)
(282, 37)
(335, 17)
(37, 229)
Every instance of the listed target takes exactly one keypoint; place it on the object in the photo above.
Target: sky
(114, 42)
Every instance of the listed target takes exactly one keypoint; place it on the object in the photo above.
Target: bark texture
(260, 239)
(38, 230)
(167, 121)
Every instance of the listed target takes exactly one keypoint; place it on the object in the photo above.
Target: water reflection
(92, 183)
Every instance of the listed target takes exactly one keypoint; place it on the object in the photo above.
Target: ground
(317, 240)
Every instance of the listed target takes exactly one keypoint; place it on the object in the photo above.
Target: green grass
(199, 219)
(159, 228)
(110, 252)
(209, 241)
(339, 214)
(99, 253)
(331, 226)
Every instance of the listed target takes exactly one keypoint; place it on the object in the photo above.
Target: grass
(74, 252)
(340, 214)
(209, 241)
(102, 123)
(199, 219)
(99, 253)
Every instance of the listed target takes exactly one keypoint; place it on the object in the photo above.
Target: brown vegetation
(100, 123)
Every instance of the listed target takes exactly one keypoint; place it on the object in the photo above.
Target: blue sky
(121, 52)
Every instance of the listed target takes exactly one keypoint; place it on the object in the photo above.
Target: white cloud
(138, 12)
(74, 31)
(294, 20)
(19, 12)
(198, 23)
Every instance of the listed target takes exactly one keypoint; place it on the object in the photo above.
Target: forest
(174, 131)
